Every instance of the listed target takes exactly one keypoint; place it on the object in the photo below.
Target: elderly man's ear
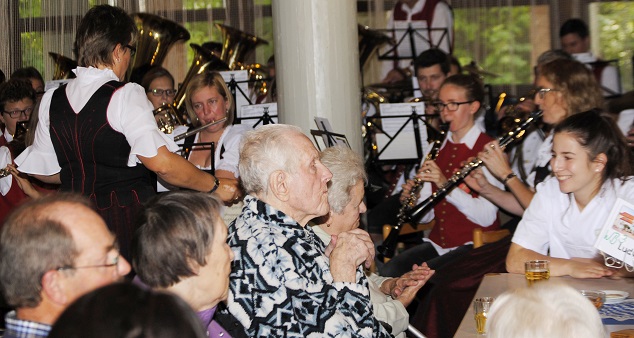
(279, 185)
(53, 288)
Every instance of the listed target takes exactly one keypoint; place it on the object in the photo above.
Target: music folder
(397, 140)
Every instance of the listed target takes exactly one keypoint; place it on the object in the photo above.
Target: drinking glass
(535, 271)
(481, 308)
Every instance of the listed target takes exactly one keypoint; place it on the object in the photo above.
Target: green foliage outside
(200, 4)
(616, 37)
(499, 46)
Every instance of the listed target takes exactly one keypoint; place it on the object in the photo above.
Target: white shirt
(443, 18)
(5, 158)
(230, 139)
(610, 78)
(553, 222)
(129, 112)
(544, 154)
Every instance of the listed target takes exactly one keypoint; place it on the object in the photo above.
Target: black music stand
(333, 139)
(414, 118)
(265, 118)
(233, 84)
(411, 34)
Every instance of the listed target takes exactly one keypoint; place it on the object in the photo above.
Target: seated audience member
(592, 165)
(52, 251)
(2, 76)
(461, 210)
(127, 310)
(17, 101)
(389, 296)
(285, 281)
(544, 310)
(33, 77)
(180, 247)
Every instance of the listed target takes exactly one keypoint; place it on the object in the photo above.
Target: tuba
(369, 41)
(63, 66)
(237, 46)
(203, 59)
(156, 36)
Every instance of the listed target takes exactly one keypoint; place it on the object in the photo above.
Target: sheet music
(238, 76)
(324, 125)
(255, 111)
(402, 146)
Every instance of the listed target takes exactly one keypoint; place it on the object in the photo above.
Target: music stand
(238, 81)
(396, 154)
(265, 113)
(412, 34)
(334, 139)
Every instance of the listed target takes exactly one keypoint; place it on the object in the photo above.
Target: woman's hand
(496, 160)
(23, 182)
(477, 181)
(430, 172)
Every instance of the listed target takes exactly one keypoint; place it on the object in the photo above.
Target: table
(494, 284)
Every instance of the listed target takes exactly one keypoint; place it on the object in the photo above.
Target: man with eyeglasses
(52, 251)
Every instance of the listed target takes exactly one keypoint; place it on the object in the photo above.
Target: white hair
(546, 309)
(264, 150)
(347, 169)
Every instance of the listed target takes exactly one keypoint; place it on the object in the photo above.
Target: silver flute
(198, 130)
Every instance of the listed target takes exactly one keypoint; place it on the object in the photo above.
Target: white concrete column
(317, 65)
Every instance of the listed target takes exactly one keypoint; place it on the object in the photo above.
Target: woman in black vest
(97, 135)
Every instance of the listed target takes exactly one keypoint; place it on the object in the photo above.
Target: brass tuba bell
(369, 41)
(203, 59)
(63, 66)
(156, 36)
(237, 46)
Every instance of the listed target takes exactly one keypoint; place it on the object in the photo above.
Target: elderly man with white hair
(285, 282)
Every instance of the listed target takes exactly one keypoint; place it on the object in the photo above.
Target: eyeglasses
(542, 91)
(160, 92)
(17, 113)
(451, 106)
(132, 50)
(114, 263)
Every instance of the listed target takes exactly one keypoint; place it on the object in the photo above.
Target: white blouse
(129, 113)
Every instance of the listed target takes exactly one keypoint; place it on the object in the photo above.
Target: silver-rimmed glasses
(542, 91)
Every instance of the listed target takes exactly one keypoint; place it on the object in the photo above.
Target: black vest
(92, 155)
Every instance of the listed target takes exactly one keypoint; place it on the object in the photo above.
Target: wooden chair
(481, 238)
(408, 229)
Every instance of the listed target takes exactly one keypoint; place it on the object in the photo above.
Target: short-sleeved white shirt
(553, 224)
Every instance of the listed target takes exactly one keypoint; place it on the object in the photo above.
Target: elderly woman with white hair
(389, 296)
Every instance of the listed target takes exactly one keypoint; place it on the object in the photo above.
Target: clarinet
(385, 249)
(416, 213)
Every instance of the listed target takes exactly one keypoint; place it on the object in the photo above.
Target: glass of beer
(481, 308)
(536, 271)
